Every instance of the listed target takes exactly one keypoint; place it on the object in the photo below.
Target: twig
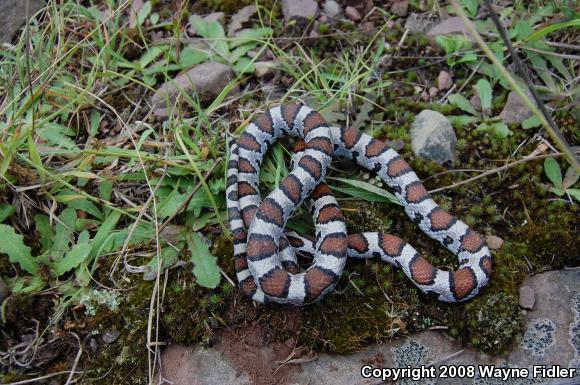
(36, 379)
(76, 362)
(562, 55)
(495, 170)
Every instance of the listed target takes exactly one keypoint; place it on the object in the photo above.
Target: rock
(527, 297)
(433, 91)
(400, 8)
(515, 111)
(111, 336)
(432, 137)
(241, 17)
(207, 80)
(368, 28)
(494, 242)
(425, 96)
(304, 9)
(476, 102)
(265, 68)
(444, 80)
(418, 23)
(4, 290)
(332, 9)
(13, 16)
(352, 13)
(448, 26)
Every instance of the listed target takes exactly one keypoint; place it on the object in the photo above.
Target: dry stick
(498, 169)
(36, 379)
(543, 117)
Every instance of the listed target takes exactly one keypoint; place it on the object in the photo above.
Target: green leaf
(63, 234)
(462, 120)
(12, 244)
(531, 122)
(244, 65)
(73, 258)
(574, 192)
(143, 13)
(471, 7)
(464, 104)
(6, 211)
(104, 232)
(554, 172)
(570, 178)
(190, 56)
(552, 28)
(94, 123)
(44, 229)
(56, 135)
(250, 36)
(205, 268)
(485, 94)
(369, 188)
(106, 189)
(499, 129)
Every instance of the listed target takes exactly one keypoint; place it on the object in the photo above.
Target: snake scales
(265, 256)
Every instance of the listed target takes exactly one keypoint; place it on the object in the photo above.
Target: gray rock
(332, 9)
(494, 242)
(444, 80)
(515, 111)
(304, 9)
(13, 14)
(418, 23)
(432, 137)
(448, 26)
(265, 68)
(400, 8)
(207, 80)
(241, 17)
(527, 297)
(551, 337)
(352, 13)
(111, 336)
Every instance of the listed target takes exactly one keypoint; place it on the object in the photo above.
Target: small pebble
(111, 336)
(352, 13)
(433, 91)
(444, 80)
(494, 242)
(400, 8)
(332, 9)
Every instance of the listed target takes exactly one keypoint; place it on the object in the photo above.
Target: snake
(265, 255)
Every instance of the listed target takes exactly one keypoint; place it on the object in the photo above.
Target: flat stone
(13, 16)
(352, 13)
(111, 336)
(432, 137)
(400, 8)
(476, 102)
(552, 337)
(515, 111)
(449, 26)
(444, 80)
(207, 80)
(304, 9)
(332, 9)
(527, 297)
(265, 68)
(494, 242)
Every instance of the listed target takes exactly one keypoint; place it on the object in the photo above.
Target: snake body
(265, 256)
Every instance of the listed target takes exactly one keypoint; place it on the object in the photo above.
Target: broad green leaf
(205, 268)
(171, 204)
(250, 36)
(106, 189)
(63, 234)
(6, 211)
(464, 104)
(191, 56)
(56, 134)
(369, 188)
(552, 28)
(531, 122)
(73, 258)
(151, 54)
(574, 192)
(485, 94)
(463, 120)
(44, 229)
(104, 232)
(143, 13)
(499, 129)
(470, 7)
(94, 123)
(12, 244)
(554, 172)
(570, 178)
(85, 205)
(244, 65)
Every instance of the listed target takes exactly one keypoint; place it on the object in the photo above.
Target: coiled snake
(265, 257)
